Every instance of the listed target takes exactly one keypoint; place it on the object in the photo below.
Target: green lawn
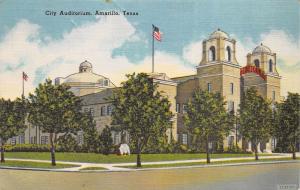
(25, 164)
(99, 158)
(204, 163)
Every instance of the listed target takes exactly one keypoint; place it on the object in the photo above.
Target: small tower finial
(218, 29)
(261, 43)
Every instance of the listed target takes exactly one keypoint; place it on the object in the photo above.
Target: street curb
(149, 169)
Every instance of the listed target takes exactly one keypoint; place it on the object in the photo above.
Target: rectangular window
(103, 111)
(13, 141)
(44, 140)
(86, 110)
(33, 140)
(230, 106)
(184, 138)
(178, 108)
(184, 108)
(22, 139)
(231, 88)
(273, 95)
(109, 110)
(92, 111)
(209, 87)
(106, 82)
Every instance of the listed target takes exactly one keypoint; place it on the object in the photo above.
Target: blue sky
(183, 23)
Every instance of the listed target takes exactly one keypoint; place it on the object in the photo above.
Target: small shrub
(67, 143)
(27, 148)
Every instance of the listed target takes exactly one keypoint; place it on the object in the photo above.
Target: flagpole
(23, 84)
(152, 52)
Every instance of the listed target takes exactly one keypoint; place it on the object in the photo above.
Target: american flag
(25, 76)
(156, 33)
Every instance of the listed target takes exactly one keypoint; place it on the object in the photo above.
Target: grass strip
(204, 163)
(25, 164)
(112, 158)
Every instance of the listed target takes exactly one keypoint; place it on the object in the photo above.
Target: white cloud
(93, 41)
(23, 49)
(193, 52)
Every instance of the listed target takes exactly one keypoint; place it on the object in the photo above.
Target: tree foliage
(90, 134)
(67, 143)
(12, 120)
(207, 118)
(255, 118)
(106, 141)
(288, 128)
(56, 110)
(141, 110)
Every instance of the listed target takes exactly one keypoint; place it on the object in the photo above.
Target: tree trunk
(138, 160)
(255, 151)
(294, 152)
(207, 152)
(52, 150)
(294, 146)
(2, 153)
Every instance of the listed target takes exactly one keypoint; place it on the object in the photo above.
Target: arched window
(212, 53)
(228, 53)
(270, 66)
(256, 62)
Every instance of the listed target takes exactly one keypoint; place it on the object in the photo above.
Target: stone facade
(218, 71)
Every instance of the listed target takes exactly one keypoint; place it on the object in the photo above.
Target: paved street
(255, 177)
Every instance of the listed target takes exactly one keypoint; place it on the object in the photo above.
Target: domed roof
(219, 34)
(86, 64)
(84, 77)
(261, 49)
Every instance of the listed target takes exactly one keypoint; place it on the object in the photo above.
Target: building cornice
(219, 63)
(262, 84)
(221, 74)
(167, 82)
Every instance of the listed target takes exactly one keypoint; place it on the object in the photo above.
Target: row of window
(231, 86)
(257, 64)
(33, 140)
(21, 140)
(212, 53)
(184, 140)
(104, 110)
(184, 107)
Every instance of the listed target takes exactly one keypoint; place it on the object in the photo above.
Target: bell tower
(267, 83)
(219, 70)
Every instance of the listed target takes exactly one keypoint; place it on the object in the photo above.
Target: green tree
(141, 110)
(207, 118)
(288, 128)
(255, 119)
(67, 143)
(90, 134)
(56, 110)
(12, 120)
(106, 141)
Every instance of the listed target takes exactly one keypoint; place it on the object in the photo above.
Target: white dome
(84, 77)
(261, 49)
(219, 34)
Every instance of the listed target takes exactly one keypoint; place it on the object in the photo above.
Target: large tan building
(218, 71)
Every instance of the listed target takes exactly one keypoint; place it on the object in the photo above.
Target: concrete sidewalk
(119, 166)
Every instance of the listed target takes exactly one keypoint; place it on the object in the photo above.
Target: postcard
(162, 94)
